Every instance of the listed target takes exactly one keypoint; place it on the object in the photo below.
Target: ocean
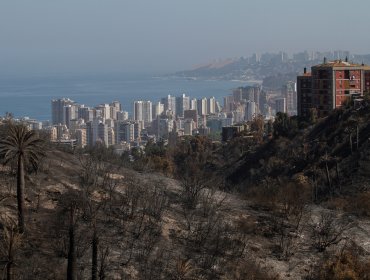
(31, 97)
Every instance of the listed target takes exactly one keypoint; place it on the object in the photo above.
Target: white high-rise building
(70, 113)
(202, 106)
(250, 110)
(147, 112)
(280, 105)
(138, 111)
(99, 132)
(105, 111)
(194, 104)
(158, 109)
(289, 91)
(169, 103)
(143, 111)
(211, 105)
(115, 107)
(122, 115)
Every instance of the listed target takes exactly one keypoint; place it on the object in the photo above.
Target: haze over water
(31, 96)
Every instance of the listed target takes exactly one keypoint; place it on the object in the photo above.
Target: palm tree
(22, 146)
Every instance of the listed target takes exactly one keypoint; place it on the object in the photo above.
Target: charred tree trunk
(9, 267)
(95, 243)
(71, 269)
(328, 178)
(337, 173)
(357, 137)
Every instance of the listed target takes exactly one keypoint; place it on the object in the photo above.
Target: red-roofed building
(329, 85)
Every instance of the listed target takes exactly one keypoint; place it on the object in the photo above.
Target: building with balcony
(329, 85)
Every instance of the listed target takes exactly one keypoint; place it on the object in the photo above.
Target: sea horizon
(31, 96)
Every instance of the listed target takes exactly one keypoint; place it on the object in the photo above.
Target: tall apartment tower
(330, 85)
(143, 111)
(169, 103)
(147, 112)
(289, 92)
(122, 116)
(250, 110)
(85, 113)
(105, 111)
(58, 111)
(158, 109)
(280, 105)
(138, 111)
(124, 132)
(70, 113)
(193, 104)
(115, 107)
(182, 104)
(202, 106)
(229, 104)
(211, 105)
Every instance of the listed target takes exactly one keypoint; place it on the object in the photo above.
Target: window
(346, 74)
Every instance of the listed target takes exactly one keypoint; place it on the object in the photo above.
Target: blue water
(31, 96)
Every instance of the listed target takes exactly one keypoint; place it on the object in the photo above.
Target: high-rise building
(147, 112)
(238, 94)
(182, 103)
(189, 126)
(169, 103)
(124, 132)
(191, 114)
(99, 131)
(81, 136)
(228, 104)
(105, 111)
(280, 105)
(143, 111)
(193, 104)
(111, 136)
(122, 116)
(211, 105)
(58, 111)
(250, 110)
(115, 107)
(85, 113)
(289, 92)
(202, 106)
(138, 111)
(70, 113)
(158, 109)
(330, 85)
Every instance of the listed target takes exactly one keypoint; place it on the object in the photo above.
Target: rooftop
(307, 74)
(340, 63)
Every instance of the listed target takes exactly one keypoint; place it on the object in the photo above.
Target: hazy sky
(169, 35)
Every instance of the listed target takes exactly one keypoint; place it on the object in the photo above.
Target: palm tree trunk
(20, 193)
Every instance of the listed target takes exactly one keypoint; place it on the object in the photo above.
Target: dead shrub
(359, 204)
(346, 265)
